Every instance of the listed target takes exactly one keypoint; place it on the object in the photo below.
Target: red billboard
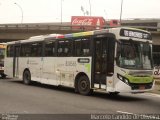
(87, 22)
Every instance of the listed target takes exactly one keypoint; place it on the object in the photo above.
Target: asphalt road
(15, 97)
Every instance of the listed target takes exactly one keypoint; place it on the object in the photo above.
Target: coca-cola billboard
(87, 22)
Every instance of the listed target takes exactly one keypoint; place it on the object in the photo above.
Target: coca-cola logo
(87, 21)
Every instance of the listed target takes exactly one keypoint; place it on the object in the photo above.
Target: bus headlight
(126, 81)
(123, 79)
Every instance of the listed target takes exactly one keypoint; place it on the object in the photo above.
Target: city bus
(2, 54)
(110, 60)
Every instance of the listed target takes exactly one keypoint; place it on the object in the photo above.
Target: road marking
(151, 94)
(124, 112)
(142, 115)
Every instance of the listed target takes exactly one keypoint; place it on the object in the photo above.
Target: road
(15, 97)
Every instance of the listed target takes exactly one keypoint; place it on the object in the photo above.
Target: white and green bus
(111, 60)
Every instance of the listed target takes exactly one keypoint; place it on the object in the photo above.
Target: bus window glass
(10, 51)
(64, 48)
(60, 48)
(25, 50)
(85, 47)
(50, 48)
(134, 55)
(77, 46)
(82, 47)
(36, 49)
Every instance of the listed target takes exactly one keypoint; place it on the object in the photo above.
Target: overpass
(10, 32)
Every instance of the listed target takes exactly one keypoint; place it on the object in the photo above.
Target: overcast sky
(50, 10)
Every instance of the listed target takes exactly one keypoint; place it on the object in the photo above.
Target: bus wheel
(3, 76)
(26, 77)
(84, 85)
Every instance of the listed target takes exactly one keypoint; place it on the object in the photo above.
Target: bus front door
(16, 61)
(104, 59)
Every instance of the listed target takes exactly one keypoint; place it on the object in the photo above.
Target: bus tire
(3, 76)
(84, 85)
(27, 77)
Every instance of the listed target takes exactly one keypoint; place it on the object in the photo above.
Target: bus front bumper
(133, 88)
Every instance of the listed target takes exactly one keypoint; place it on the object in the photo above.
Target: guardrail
(44, 27)
(64, 27)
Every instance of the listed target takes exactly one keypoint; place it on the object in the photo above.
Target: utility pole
(121, 11)
(21, 11)
(90, 7)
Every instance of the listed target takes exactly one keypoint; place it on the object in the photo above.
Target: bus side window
(25, 50)
(64, 48)
(60, 48)
(36, 49)
(68, 48)
(10, 51)
(50, 48)
(82, 47)
(77, 47)
(85, 47)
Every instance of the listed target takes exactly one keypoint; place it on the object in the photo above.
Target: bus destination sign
(135, 34)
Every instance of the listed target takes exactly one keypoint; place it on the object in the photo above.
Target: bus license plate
(142, 87)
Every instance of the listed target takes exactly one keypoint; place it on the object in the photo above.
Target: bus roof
(72, 35)
(130, 28)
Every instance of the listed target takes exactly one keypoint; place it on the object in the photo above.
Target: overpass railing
(45, 27)
(63, 27)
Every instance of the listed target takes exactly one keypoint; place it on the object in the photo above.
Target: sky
(42, 11)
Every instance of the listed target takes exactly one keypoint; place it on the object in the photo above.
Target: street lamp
(82, 9)
(61, 10)
(121, 11)
(21, 11)
(85, 12)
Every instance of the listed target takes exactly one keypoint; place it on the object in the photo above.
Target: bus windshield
(134, 55)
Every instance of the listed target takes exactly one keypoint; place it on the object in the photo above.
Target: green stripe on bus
(133, 79)
(87, 66)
